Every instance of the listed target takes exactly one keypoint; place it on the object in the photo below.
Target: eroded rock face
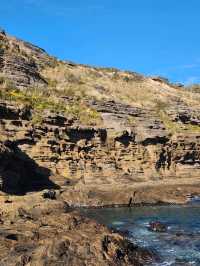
(185, 114)
(19, 173)
(51, 234)
(127, 159)
(20, 62)
(90, 164)
(59, 162)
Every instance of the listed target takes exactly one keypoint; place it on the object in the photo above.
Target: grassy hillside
(44, 83)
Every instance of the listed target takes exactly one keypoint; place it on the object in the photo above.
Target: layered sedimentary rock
(88, 163)
(74, 135)
(36, 231)
(148, 138)
(21, 62)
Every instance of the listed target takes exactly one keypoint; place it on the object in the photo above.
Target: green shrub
(38, 101)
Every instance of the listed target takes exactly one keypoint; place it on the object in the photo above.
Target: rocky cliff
(100, 136)
(75, 135)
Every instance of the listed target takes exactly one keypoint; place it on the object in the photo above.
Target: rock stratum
(49, 233)
(76, 135)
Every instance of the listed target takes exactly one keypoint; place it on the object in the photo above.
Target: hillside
(98, 136)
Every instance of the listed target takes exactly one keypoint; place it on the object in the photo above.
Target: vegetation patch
(40, 100)
(194, 88)
(172, 127)
(175, 127)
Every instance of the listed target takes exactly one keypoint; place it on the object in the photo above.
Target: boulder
(157, 226)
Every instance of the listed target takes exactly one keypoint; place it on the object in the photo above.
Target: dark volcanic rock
(157, 227)
(50, 194)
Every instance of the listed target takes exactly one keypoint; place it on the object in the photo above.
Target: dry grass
(81, 83)
(40, 100)
(195, 88)
(121, 86)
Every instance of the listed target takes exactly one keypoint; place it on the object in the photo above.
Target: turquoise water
(180, 245)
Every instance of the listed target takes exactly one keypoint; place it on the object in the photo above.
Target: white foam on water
(170, 246)
(166, 263)
(118, 223)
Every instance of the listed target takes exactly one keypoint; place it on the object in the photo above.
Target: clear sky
(154, 37)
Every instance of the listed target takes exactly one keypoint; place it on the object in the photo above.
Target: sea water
(179, 245)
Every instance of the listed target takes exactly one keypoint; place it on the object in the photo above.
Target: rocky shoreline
(171, 231)
(41, 229)
(72, 135)
(38, 231)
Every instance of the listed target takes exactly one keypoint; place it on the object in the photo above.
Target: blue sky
(154, 37)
